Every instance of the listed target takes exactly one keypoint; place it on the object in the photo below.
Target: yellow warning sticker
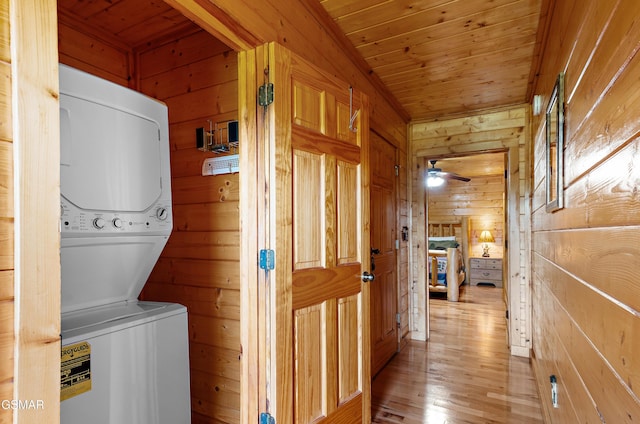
(75, 370)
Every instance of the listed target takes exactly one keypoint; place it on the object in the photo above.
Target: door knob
(366, 277)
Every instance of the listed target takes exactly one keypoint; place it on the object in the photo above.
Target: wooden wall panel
(85, 52)
(482, 200)
(585, 256)
(6, 217)
(306, 29)
(196, 76)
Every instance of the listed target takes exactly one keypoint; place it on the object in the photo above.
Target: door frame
(512, 238)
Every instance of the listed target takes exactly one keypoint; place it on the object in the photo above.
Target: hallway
(464, 374)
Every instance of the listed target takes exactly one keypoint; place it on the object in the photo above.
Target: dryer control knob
(117, 222)
(161, 214)
(98, 223)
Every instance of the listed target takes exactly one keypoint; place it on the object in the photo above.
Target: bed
(448, 254)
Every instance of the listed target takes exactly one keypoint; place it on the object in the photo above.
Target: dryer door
(110, 158)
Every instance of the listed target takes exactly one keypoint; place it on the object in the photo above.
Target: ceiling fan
(436, 176)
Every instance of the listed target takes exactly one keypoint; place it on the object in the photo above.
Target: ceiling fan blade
(453, 176)
(438, 172)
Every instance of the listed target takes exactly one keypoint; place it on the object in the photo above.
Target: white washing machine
(123, 361)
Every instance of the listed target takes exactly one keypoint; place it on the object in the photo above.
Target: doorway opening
(467, 212)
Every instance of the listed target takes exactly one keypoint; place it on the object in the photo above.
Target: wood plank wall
(305, 28)
(97, 56)
(196, 76)
(493, 131)
(586, 292)
(6, 217)
(481, 199)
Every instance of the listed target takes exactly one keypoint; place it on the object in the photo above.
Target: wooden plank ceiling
(437, 57)
(129, 23)
(480, 165)
(446, 57)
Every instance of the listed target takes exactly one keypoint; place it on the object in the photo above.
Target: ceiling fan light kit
(436, 176)
(434, 181)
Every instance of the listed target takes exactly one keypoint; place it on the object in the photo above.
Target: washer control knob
(117, 222)
(162, 214)
(98, 223)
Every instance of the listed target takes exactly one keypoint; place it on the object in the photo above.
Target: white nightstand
(485, 270)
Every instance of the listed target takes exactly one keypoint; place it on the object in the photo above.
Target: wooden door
(384, 288)
(313, 211)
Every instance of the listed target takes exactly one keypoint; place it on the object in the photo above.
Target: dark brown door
(384, 288)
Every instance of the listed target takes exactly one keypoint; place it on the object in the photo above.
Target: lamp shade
(486, 237)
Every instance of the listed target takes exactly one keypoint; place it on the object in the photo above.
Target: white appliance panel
(116, 218)
(111, 159)
(139, 371)
(115, 174)
(98, 271)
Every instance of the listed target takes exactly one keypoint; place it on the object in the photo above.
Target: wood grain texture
(584, 255)
(37, 198)
(6, 342)
(309, 245)
(6, 124)
(252, 216)
(384, 233)
(7, 324)
(463, 374)
(422, 52)
(85, 52)
(196, 76)
(6, 179)
(5, 36)
(319, 368)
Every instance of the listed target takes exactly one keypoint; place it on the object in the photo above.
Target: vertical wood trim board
(36, 149)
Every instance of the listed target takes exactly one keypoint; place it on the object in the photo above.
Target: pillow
(447, 238)
(435, 244)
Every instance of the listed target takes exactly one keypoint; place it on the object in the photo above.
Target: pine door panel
(327, 202)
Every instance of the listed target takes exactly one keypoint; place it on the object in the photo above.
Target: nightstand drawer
(486, 274)
(486, 263)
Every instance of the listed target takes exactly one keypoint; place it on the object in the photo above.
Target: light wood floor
(464, 374)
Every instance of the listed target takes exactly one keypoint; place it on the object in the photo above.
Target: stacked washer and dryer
(123, 361)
